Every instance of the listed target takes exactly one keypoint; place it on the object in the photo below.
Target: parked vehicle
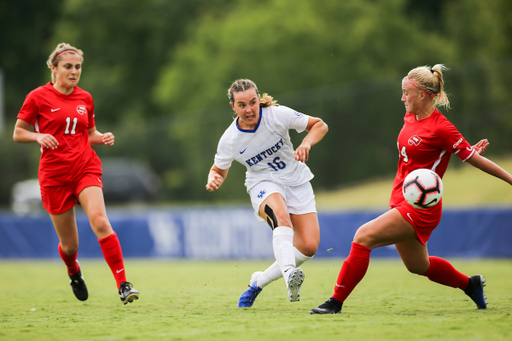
(124, 181)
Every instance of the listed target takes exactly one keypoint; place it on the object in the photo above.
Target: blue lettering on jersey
(264, 154)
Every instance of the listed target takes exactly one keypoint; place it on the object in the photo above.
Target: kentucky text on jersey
(264, 154)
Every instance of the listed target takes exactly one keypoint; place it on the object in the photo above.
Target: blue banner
(234, 232)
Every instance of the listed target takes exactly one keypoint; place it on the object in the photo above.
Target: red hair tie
(431, 95)
(60, 54)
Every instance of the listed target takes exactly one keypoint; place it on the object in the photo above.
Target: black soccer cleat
(331, 306)
(475, 291)
(127, 293)
(78, 285)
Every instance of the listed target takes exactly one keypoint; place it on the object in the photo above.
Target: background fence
(228, 233)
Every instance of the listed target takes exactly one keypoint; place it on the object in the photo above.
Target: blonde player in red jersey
(426, 140)
(69, 169)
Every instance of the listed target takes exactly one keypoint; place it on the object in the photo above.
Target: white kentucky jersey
(266, 151)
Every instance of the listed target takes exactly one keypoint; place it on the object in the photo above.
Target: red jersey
(427, 143)
(67, 118)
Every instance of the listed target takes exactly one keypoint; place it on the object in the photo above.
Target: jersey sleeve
(224, 155)
(452, 141)
(292, 119)
(29, 109)
(92, 120)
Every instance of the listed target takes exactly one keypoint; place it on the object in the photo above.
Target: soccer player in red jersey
(69, 169)
(427, 140)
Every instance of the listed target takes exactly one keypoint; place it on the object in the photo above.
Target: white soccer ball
(423, 188)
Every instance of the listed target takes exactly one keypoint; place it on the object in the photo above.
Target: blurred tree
(125, 43)
(159, 71)
(428, 14)
(25, 26)
(291, 46)
(480, 30)
(482, 33)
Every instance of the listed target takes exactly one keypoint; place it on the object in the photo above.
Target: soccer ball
(423, 188)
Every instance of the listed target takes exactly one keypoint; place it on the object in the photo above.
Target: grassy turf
(193, 300)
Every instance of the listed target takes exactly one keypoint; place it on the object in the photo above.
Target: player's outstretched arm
(215, 178)
(316, 131)
(489, 167)
(23, 135)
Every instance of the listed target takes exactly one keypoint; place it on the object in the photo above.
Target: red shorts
(424, 221)
(59, 199)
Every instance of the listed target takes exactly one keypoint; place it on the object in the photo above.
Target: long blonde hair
(430, 80)
(245, 84)
(56, 55)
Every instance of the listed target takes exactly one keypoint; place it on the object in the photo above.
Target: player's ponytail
(441, 98)
(266, 101)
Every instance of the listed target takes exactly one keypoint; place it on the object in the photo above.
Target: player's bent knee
(309, 252)
(69, 248)
(362, 238)
(416, 269)
(101, 225)
(310, 247)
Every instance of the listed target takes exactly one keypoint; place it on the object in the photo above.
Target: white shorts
(299, 199)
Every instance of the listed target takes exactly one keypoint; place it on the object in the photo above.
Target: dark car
(124, 180)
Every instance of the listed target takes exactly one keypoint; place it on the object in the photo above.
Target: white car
(26, 197)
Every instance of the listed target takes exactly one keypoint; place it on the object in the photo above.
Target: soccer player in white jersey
(277, 180)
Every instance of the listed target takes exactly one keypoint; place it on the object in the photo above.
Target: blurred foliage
(125, 44)
(159, 72)
(25, 28)
(306, 52)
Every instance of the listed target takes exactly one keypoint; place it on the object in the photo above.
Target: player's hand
(108, 139)
(302, 153)
(481, 146)
(214, 183)
(47, 141)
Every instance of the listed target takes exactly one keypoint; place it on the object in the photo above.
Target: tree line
(159, 73)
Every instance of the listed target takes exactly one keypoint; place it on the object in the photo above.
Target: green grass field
(197, 300)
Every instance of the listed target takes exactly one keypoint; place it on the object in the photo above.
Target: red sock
(113, 254)
(442, 272)
(70, 261)
(352, 272)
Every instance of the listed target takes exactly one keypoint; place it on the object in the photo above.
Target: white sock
(273, 273)
(282, 243)
(300, 258)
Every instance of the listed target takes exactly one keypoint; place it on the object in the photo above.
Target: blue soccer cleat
(248, 297)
